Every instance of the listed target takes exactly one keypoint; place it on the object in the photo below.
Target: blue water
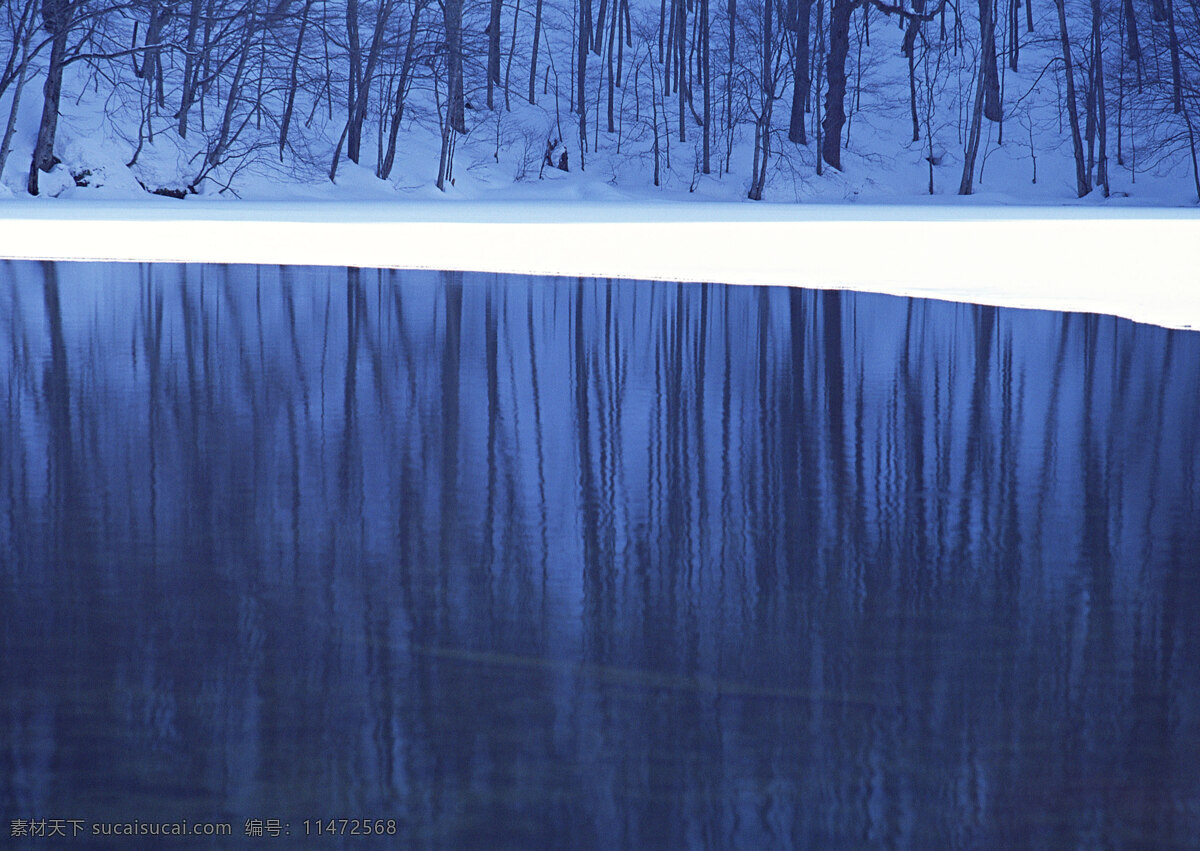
(532, 562)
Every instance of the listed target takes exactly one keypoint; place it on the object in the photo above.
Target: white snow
(1141, 264)
(1016, 242)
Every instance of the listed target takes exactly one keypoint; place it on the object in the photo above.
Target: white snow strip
(1139, 264)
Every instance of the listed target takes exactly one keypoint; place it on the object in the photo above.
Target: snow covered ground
(1059, 258)
(1023, 239)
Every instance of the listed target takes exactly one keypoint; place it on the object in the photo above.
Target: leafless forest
(695, 87)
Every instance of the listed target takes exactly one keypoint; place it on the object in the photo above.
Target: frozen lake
(547, 562)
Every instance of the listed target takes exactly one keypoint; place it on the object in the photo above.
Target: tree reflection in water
(578, 562)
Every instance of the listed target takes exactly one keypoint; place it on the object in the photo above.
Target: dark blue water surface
(535, 562)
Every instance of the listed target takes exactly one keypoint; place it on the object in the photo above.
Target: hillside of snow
(277, 93)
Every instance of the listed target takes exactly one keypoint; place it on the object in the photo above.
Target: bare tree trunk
(819, 61)
(1133, 45)
(292, 79)
(654, 118)
(452, 16)
(1098, 98)
(362, 75)
(762, 128)
(991, 74)
(151, 67)
(512, 49)
(449, 136)
(216, 154)
(206, 64)
(585, 31)
(1089, 109)
(354, 81)
(1176, 75)
(22, 38)
(729, 85)
(611, 82)
(909, 49)
(669, 62)
(493, 57)
(1014, 35)
(912, 90)
(56, 16)
(706, 82)
(967, 183)
(362, 89)
(11, 126)
(835, 109)
(800, 76)
(389, 157)
(662, 27)
(1082, 178)
(537, 37)
(681, 67)
(1121, 90)
(598, 36)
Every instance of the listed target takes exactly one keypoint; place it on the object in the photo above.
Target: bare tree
(59, 18)
(493, 56)
(452, 16)
(800, 23)
(1082, 179)
(21, 27)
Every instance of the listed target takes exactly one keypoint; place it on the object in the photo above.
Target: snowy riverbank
(1059, 258)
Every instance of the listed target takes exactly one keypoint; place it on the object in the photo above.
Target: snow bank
(1139, 264)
